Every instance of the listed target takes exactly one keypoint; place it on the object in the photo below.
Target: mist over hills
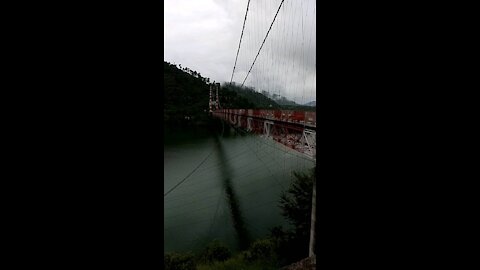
(311, 103)
(186, 95)
(260, 101)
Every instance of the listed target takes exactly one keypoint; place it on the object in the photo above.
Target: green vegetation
(216, 256)
(179, 261)
(264, 100)
(281, 247)
(299, 108)
(296, 205)
(214, 252)
(259, 256)
(186, 95)
(239, 262)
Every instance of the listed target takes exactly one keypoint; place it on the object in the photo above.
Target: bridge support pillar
(210, 101)
(309, 136)
(249, 124)
(217, 103)
(267, 128)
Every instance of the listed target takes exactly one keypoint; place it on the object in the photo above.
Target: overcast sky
(204, 34)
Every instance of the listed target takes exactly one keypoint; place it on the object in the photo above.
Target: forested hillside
(186, 95)
(265, 100)
(259, 101)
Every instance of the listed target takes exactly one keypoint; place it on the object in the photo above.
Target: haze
(204, 36)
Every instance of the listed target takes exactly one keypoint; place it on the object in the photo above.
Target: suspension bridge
(270, 28)
(292, 128)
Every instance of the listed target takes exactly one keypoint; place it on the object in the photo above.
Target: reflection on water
(243, 237)
(233, 196)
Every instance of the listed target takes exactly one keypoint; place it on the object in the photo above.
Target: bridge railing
(294, 129)
(299, 117)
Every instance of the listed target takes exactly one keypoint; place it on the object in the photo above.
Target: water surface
(233, 196)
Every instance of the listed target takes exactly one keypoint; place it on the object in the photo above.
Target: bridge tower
(214, 102)
(217, 103)
(210, 101)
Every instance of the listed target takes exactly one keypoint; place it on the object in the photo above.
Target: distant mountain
(284, 101)
(264, 100)
(311, 103)
(280, 100)
(259, 101)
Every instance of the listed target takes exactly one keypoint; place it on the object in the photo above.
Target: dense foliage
(296, 205)
(186, 95)
(261, 250)
(215, 256)
(215, 251)
(265, 100)
(179, 261)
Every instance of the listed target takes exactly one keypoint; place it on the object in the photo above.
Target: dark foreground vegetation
(281, 247)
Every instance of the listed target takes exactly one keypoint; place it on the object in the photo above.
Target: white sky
(204, 34)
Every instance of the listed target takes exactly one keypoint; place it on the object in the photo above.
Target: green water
(233, 195)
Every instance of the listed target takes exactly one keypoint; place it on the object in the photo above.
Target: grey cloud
(204, 35)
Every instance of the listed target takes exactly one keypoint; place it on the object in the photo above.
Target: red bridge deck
(308, 119)
(294, 129)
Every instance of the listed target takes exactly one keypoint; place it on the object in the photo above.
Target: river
(232, 196)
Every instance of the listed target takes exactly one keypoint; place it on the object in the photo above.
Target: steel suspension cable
(280, 6)
(186, 177)
(239, 43)
(196, 168)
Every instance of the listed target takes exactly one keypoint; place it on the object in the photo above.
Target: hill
(265, 100)
(186, 95)
(311, 103)
(258, 100)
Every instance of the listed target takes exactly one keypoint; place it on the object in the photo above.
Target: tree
(296, 206)
(186, 95)
(296, 203)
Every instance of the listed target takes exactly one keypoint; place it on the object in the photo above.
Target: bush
(238, 263)
(215, 251)
(177, 261)
(261, 250)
